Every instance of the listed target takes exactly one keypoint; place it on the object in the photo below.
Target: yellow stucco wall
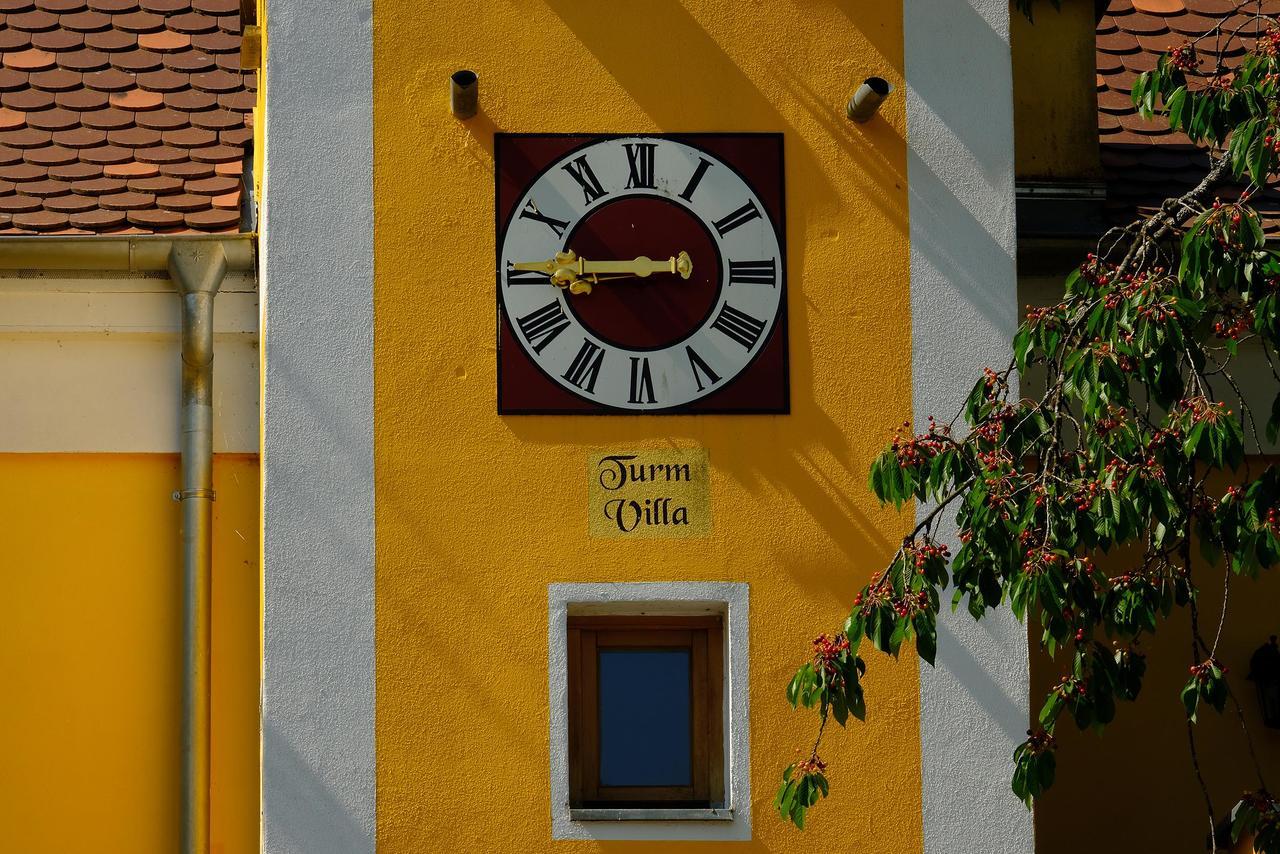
(89, 654)
(1055, 100)
(477, 513)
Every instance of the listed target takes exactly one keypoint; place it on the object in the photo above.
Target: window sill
(609, 814)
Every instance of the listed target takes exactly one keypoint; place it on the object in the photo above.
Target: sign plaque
(649, 494)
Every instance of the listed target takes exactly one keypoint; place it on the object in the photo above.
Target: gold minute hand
(641, 266)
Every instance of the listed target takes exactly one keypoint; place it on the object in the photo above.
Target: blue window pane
(644, 718)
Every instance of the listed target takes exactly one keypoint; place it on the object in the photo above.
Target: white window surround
(733, 822)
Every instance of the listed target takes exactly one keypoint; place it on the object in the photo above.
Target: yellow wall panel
(477, 513)
(90, 592)
(1054, 94)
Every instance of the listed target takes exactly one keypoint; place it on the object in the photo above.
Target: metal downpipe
(197, 270)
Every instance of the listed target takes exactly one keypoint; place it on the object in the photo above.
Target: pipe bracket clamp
(183, 495)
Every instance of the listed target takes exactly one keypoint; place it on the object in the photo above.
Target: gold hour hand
(567, 270)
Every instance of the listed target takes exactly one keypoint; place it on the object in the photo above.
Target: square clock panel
(641, 274)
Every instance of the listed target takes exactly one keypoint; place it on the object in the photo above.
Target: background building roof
(1144, 162)
(122, 116)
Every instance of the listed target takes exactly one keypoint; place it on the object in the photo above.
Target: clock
(641, 274)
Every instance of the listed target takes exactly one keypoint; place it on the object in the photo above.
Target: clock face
(641, 274)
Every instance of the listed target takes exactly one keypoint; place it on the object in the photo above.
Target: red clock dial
(641, 274)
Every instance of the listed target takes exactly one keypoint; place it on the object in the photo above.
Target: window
(650, 731)
(646, 711)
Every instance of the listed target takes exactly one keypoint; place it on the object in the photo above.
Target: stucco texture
(477, 513)
(90, 652)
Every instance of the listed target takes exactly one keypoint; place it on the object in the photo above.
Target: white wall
(964, 312)
(91, 363)
(317, 251)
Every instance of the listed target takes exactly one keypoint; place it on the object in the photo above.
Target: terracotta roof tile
(138, 22)
(190, 101)
(32, 59)
(55, 119)
(85, 22)
(57, 80)
(26, 100)
(98, 186)
(128, 201)
(155, 218)
(135, 61)
(165, 41)
(217, 7)
(79, 137)
(1144, 162)
(108, 119)
(97, 219)
(212, 186)
(134, 137)
(130, 171)
(71, 204)
(61, 7)
(180, 169)
(214, 218)
(216, 81)
(109, 80)
(32, 21)
(41, 220)
(57, 41)
(112, 7)
(47, 188)
(81, 100)
(85, 59)
(185, 202)
(133, 116)
(216, 42)
(25, 138)
(20, 204)
(111, 40)
(163, 80)
(78, 171)
(165, 119)
(162, 154)
(161, 185)
(137, 99)
(50, 155)
(14, 40)
(105, 154)
(189, 62)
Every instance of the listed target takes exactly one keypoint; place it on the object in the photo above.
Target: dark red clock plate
(644, 315)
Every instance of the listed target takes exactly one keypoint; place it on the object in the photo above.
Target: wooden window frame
(704, 637)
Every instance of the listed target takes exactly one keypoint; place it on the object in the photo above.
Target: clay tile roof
(1144, 162)
(133, 116)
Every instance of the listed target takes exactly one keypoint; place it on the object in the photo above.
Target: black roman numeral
(700, 367)
(526, 277)
(742, 215)
(739, 326)
(541, 327)
(754, 272)
(585, 368)
(531, 212)
(640, 160)
(580, 170)
(641, 381)
(703, 165)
